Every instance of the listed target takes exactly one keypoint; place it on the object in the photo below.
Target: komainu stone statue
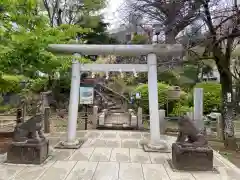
(29, 146)
(189, 135)
(191, 150)
(29, 131)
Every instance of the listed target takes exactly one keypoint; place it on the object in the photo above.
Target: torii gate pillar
(153, 98)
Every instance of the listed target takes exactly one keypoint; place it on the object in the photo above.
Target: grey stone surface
(217, 162)
(106, 171)
(54, 140)
(87, 143)
(158, 158)
(146, 135)
(101, 154)
(30, 173)
(58, 170)
(94, 134)
(139, 156)
(83, 170)
(62, 154)
(100, 163)
(109, 135)
(9, 171)
(82, 154)
(135, 135)
(120, 155)
(113, 143)
(231, 173)
(81, 134)
(57, 134)
(98, 143)
(178, 175)
(154, 172)
(130, 171)
(130, 144)
(124, 135)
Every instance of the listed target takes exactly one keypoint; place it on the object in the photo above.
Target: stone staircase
(112, 120)
(115, 113)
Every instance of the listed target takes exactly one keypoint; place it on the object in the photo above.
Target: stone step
(116, 107)
(4, 123)
(116, 111)
(111, 104)
(116, 126)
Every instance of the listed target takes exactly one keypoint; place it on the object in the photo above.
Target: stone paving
(112, 155)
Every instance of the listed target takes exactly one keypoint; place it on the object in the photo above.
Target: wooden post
(46, 120)
(45, 109)
(139, 118)
(19, 116)
(24, 109)
(86, 116)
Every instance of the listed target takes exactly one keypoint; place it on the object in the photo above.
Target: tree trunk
(170, 37)
(227, 107)
(237, 98)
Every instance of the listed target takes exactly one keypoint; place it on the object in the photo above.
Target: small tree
(220, 43)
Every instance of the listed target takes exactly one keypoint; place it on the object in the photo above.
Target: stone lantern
(174, 92)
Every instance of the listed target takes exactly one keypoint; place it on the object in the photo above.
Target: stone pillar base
(160, 146)
(70, 145)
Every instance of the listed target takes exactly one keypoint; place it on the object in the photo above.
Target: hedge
(162, 97)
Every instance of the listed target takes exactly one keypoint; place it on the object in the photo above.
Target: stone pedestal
(192, 158)
(70, 145)
(28, 153)
(160, 146)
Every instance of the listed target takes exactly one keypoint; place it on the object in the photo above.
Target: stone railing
(132, 118)
(102, 117)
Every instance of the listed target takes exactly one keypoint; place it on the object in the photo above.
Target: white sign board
(138, 95)
(86, 95)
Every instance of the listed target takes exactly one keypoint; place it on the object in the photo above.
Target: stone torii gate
(151, 51)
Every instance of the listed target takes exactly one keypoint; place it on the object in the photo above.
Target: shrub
(211, 96)
(180, 110)
(38, 85)
(162, 95)
(5, 108)
(139, 39)
(10, 83)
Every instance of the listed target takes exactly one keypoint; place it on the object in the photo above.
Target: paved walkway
(112, 155)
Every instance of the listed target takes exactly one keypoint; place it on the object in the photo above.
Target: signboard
(138, 95)
(86, 95)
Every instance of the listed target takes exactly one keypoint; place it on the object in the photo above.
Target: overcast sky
(111, 12)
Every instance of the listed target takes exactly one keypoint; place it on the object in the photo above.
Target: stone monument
(191, 151)
(29, 146)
